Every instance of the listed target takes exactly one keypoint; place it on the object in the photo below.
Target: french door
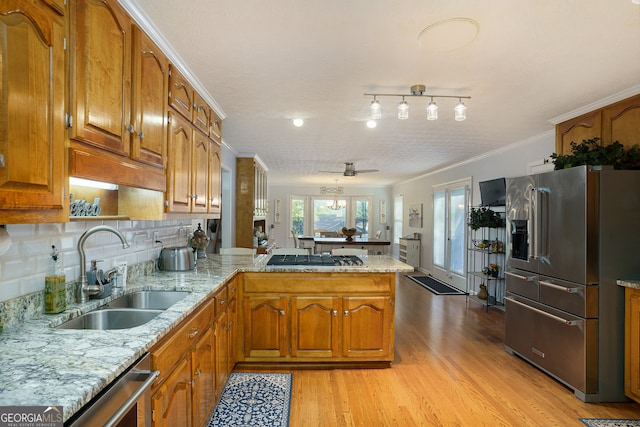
(450, 232)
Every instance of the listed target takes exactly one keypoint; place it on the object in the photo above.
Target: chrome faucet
(85, 289)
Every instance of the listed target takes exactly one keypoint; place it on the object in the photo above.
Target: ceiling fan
(350, 170)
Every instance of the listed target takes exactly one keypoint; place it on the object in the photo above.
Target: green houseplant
(592, 152)
(484, 217)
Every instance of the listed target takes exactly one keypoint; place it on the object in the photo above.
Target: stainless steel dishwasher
(125, 402)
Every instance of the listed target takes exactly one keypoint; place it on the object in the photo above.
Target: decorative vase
(482, 293)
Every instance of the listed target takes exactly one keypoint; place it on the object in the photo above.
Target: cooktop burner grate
(316, 260)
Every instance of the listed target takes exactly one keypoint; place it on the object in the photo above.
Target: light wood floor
(450, 369)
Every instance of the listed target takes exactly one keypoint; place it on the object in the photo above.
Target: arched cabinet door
(32, 92)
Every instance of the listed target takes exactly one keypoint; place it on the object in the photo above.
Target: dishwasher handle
(128, 404)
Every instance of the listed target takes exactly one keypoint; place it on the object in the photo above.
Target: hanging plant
(484, 217)
(591, 152)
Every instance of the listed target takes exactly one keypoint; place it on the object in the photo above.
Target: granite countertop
(42, 365)
(629, 283)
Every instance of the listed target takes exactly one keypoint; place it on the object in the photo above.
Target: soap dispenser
(55, 291)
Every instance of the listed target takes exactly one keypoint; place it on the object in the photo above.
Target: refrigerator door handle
(533, 226)
(568, 322)
(562, 288)
(518, 276)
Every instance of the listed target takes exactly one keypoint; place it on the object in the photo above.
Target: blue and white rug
(254, 399)
(610, 422)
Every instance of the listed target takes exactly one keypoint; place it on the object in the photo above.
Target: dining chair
(349, 251)
(290, 251)
(295, 239)
(238, 251)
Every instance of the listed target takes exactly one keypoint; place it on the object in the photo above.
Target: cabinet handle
(223, 301)
(346, 313)
(194, 332)
(130, 128)
(334, 312)
(281, 312)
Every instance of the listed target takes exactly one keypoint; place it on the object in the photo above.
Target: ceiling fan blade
(367, 170)
(330, 171)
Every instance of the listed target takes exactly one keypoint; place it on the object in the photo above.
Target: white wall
(510, 161)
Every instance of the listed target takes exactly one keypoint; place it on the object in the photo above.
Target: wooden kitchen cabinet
(149, 101)
(221, 339)
(315, 326)
(632, 344)
(117, 91)
(181, 94)
(317, 318)
(184, 394)
(251, 198)
(171, 403)
(619, 121)
(101, 75)
(265, 326)
(32, 72)
(203, 374)
(180, 141)
(367, 326)
(214, 203)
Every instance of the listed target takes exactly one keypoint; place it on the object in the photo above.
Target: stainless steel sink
(148, 300)
(112, 318)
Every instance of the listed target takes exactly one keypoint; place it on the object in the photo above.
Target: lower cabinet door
(315, 326)
(367, 326)
(265, 326)
(171, 403)
(204, 378)
(221, 332)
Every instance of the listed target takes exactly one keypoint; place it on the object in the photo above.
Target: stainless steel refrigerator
(570, 235)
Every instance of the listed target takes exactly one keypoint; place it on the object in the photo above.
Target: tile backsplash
(25, 264)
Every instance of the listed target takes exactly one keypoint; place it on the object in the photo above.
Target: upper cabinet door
(149, 96)
(100, 75)
(201, 114)
(215, 178)
(622, 122)
(179, 193)
(215, 129)
(199, 172)
(180, 94)
(32, 92)
(587, 126)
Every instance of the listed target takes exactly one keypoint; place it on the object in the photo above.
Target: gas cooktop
(316, 260)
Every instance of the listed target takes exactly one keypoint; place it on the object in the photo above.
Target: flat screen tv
(493, 192)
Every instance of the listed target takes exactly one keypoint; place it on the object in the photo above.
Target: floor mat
(254, 399)
(436, 286)
(610, 422)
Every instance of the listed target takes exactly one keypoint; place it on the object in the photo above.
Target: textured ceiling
(266, 62)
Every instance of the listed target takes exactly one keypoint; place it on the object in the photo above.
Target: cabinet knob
(141, 134)
(194, 332)
(130, 128)
(346, 313)
(281, 312)
(334, 312)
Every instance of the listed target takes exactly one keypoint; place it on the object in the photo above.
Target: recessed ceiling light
(298, 122)
(372, 124)
(635, 1)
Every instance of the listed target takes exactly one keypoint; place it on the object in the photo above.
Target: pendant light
(403, 110)
(432, 110)
(376, 109)
(460, 111)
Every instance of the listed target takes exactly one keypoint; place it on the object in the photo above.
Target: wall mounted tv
(493, 192)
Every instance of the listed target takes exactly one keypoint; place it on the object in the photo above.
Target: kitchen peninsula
(43, 365)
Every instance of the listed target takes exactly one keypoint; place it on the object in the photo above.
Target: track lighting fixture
(460, 110)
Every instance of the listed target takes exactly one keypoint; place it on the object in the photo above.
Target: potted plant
(592, 152)
(484, 217)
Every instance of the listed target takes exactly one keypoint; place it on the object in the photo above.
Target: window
(397, 218)
(327, 219)
(297, 210)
